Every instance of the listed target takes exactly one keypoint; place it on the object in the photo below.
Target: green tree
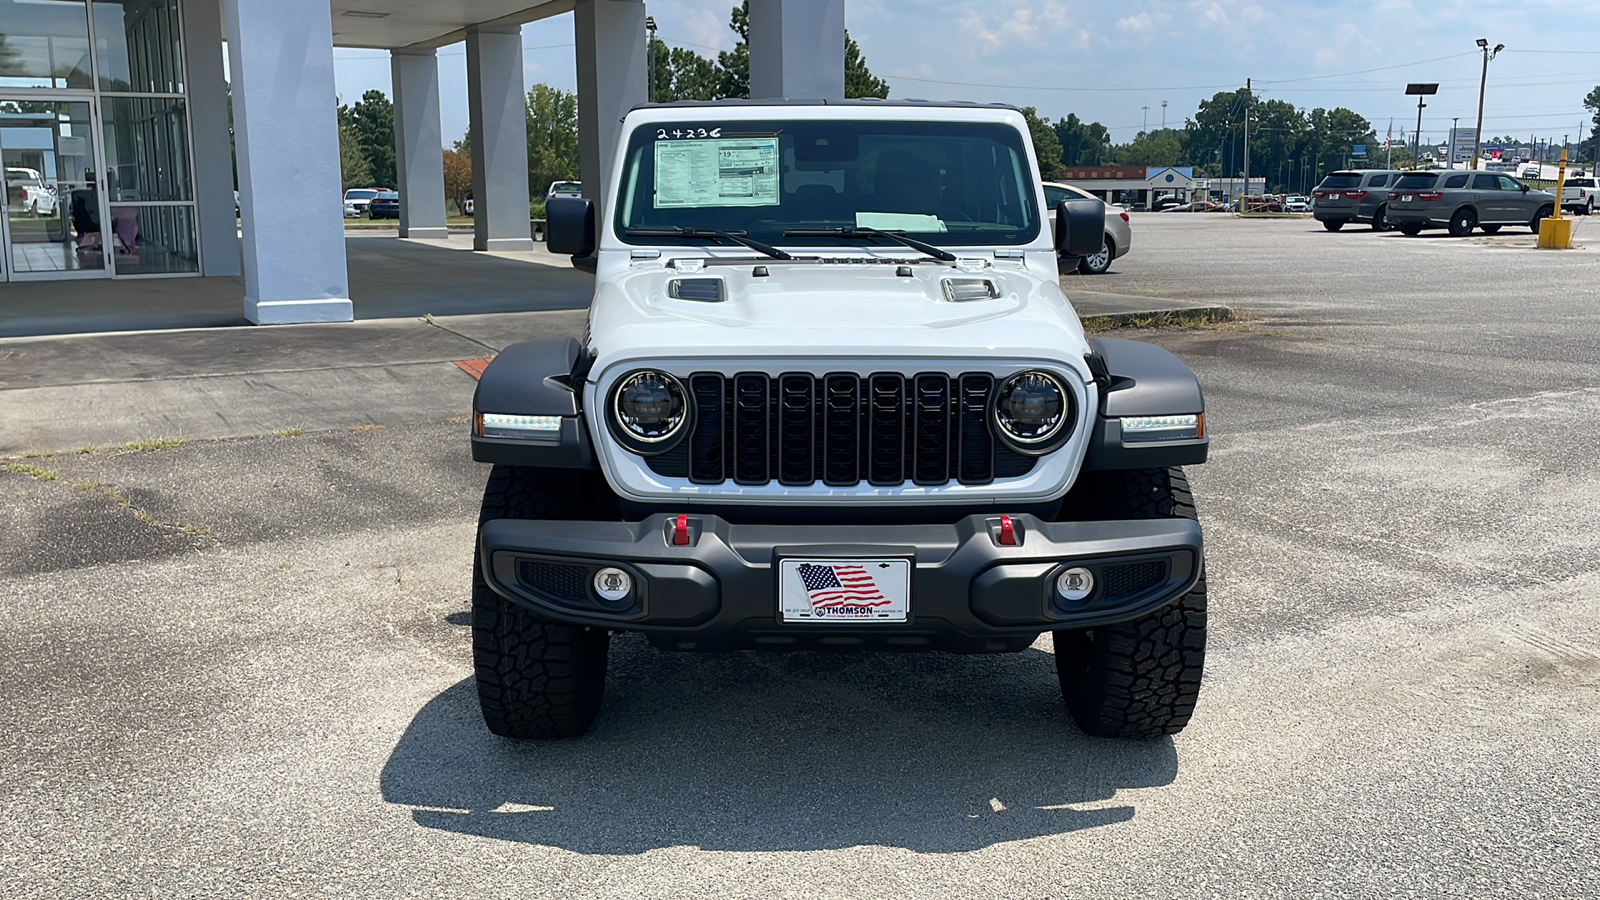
(354, 169)
(1046, 145)
(552, 137)
(1592, 103)
(858, 79)
(1162, 147)
(682, 74)
(371, 124)
(733, 66)
(1082, 143)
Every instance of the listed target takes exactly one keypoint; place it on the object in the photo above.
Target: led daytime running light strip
(1163, 428)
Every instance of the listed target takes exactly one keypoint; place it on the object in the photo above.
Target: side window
(1456, 181)
(1507, 183)
(1053, 196)
(1378, 181)
(1485, 183)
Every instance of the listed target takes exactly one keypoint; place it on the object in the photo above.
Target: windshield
(566, 187)
(946, 183)
(360, 195)
(1416, 180)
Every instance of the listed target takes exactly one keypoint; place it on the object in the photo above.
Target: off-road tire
(536, 678)
(1332, 224)
(1099, 262)
(1462, 221)
(1141, 678)
(1543, 213)
(1411, 229)
(1378, 223)
(1490, 229)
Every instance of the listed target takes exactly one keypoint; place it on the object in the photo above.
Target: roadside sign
(1358, 150)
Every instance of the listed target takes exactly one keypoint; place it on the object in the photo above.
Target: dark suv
(1357, 195)
(1462, 201)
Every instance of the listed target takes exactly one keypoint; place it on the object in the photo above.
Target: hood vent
(703, 290)
(964, 290)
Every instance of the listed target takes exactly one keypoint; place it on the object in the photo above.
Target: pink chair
(125, 225)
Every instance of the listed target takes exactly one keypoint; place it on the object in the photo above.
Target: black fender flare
(535, 378)
(1140, 379)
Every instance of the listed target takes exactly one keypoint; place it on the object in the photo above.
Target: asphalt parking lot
(241, 667)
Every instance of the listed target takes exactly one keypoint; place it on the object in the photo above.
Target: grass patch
(289, 432)
(84, 450)
(37, 454)
(33, 472)
(367, 426)
(86, 486)
(1199, 318)
(149, 444)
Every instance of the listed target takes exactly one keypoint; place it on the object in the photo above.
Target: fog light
(1075, 584)
(613, 584)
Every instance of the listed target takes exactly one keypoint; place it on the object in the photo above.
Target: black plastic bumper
(720, 591)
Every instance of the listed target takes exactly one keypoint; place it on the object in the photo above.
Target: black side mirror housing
(569, 226)
(1080, 227)
(1524, 189)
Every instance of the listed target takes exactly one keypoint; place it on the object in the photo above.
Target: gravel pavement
(240, 667)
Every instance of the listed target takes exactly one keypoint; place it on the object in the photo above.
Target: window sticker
(717, 172)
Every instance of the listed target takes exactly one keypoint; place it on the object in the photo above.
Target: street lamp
(650, 26)
(1452, 151)
(1420, 90)
(1477, 139)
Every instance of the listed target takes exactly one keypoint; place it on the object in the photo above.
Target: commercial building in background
(119, 157)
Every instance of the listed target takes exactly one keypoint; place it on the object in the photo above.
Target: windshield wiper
(685, 231)
(932, 250)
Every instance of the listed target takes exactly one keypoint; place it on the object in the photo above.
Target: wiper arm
(736, 236)
(932, 250)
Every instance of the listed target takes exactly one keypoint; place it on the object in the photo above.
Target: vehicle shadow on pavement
(745, 752)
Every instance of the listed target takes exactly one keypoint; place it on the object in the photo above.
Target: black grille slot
(841, 429)
(1130, 579)
(932, 460)
(556, 581)
(750, 428)
(704, 290)
(796, 418)
(886, 438)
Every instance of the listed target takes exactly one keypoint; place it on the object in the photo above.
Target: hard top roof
(858, 101)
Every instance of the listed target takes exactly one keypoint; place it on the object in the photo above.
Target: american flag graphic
(840, 585)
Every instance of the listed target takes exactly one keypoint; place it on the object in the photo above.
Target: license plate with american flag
(844, 590)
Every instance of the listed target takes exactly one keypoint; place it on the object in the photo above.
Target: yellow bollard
(1555, 232)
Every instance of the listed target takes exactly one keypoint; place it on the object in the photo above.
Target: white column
(611, 80)
(797, 49)
(286, 136)
(208, 131)
(498, 113)
(418, 141)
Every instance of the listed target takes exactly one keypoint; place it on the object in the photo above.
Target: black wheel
(1332, 224)
(1379, 223)
(1411, 229)
(1463, 221)
(1543, 213)
(1589, 210)
(1098, 263)
(1490, 229)
(1136, 679)
(536, 678)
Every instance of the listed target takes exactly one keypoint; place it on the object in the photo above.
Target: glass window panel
(153, 240)
(138, 47)
(44, 44)
(147, 149)
(52, 206)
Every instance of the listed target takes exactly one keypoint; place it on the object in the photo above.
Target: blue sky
(1105, 61)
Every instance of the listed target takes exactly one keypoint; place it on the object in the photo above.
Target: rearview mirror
(1080, 227)
(569, 226)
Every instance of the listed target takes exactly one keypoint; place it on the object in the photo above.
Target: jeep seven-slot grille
(841, 429)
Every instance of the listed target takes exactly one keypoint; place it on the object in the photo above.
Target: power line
(1034, 87)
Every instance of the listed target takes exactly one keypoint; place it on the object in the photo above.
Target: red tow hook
(1008, 533)
(680, 532)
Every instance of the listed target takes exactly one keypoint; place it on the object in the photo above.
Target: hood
(837, 308)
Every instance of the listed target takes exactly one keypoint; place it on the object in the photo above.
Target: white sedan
(1119, 234)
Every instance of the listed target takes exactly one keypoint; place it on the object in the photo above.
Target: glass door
(54, 209)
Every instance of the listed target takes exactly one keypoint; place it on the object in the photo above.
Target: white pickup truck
(1580, 194)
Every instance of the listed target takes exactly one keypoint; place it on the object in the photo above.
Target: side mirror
(1524, 189)
(569, 226)
(1080, 227)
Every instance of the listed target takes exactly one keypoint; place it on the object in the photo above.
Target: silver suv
(1357, 195)
(1462, 201)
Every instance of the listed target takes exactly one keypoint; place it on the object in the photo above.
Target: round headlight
(1031, 408)
(649, 407)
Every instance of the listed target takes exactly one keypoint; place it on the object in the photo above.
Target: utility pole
(1483, 81)
(1420, 90)
(1146, 126)
(1388, 144)
(1163, 115)
(1247, 96)
(650, 53)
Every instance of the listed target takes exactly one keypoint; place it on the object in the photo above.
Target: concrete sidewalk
(103, 390)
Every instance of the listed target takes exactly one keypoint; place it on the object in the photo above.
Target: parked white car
(356, 200)
(564, 189)
(1296, 204)
(26, 192)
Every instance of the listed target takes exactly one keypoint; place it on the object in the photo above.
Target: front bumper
(968, 593)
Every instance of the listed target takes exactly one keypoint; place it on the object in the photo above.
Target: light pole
(650, 47)
(1477, 139)
(1146, 127)
(1420, 90)
(1452, 150)
(1163, 115)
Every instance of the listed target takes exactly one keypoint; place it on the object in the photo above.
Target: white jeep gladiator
(831, 396)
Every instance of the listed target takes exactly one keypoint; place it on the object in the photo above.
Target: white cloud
(1140, 22)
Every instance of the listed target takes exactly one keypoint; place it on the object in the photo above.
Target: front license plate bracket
(832, 589)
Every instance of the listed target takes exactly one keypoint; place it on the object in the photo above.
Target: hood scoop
(701, 290)
(966, 290)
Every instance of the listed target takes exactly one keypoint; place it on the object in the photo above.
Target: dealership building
(115, 128)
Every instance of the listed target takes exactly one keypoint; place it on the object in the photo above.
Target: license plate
(1407, 198)
(1333, 196)
(844, 590)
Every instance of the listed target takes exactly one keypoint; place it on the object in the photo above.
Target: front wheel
(1378, 223)
(1098, 263)
(1332, 224)
(536, 678)
(1462, 223)
(1137, 679)
(1543, 213)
